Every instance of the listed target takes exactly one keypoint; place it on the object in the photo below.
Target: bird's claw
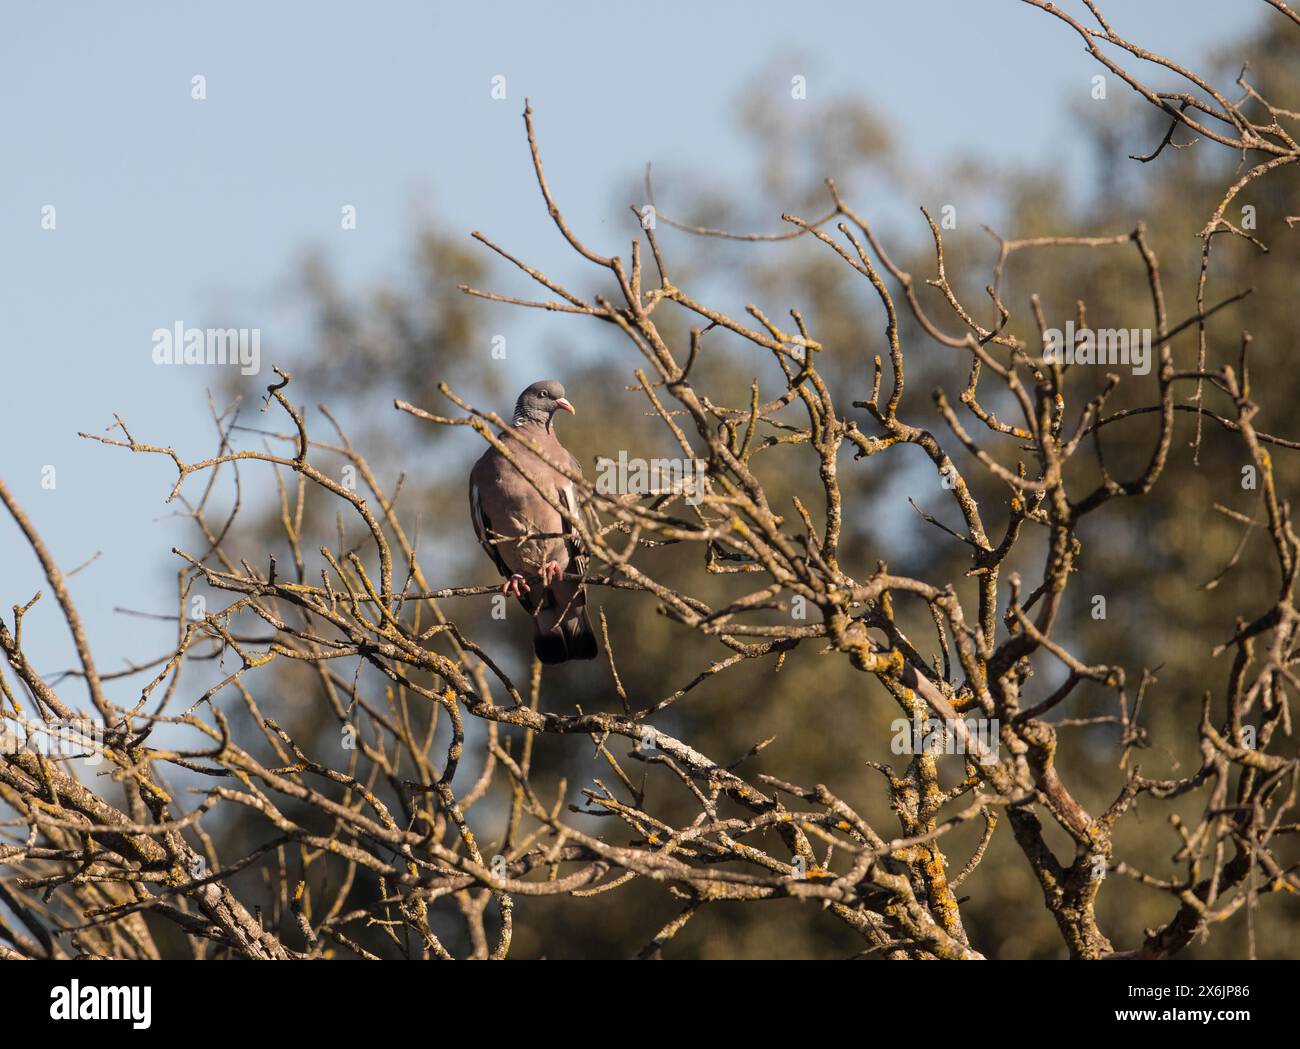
(516, 585)
(551, 571)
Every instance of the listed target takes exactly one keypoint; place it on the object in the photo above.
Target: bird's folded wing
(487, 538)
(578, 553)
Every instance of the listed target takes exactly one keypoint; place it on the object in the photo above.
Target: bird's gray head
(539, 403)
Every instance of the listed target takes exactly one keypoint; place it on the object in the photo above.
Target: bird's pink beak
(563, 403)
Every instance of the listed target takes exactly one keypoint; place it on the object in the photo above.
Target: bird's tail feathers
(563, 630)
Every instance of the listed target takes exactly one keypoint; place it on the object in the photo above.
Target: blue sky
(171, 209)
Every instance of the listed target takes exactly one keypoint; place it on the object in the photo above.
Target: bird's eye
(546, 393)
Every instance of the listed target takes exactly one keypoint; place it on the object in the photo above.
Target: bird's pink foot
(516, 585)
(551, 571)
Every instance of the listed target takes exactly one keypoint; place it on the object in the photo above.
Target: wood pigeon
(537, 551)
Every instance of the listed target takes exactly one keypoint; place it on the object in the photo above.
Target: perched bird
(535, 549)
